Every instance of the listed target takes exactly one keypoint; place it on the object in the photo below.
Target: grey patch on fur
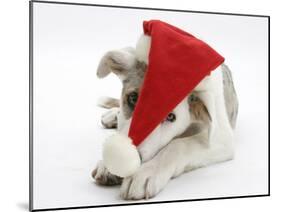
(230, 96)
(132, 83)
(200, 117)
(197, 109)
(118, 62)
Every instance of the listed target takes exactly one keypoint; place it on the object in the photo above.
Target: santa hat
(177, 62)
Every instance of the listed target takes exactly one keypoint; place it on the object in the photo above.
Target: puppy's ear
(117, 61)
(208, 100)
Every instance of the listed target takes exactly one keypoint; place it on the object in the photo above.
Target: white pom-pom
(120, 156)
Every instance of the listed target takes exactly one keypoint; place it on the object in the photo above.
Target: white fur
(120, 156)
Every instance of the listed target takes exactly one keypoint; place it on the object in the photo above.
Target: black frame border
(31, 208)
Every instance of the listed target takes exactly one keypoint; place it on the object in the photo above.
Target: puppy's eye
(171, 117)
(132, 99)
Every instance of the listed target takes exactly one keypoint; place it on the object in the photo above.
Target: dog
(197, 133)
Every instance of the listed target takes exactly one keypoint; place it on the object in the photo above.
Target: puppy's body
(201, 134)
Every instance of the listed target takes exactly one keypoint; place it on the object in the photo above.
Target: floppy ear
(210, 91)
(208, 100)
(117, 61)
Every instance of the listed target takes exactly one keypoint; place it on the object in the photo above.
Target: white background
(68, 44)
(14, 107)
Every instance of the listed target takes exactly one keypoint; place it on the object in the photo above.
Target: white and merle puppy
(197, 133)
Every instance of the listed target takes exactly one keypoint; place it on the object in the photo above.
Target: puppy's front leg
(182, 154)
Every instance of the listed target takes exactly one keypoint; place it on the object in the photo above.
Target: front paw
(103, 177)
(144, 184)
(109, 118)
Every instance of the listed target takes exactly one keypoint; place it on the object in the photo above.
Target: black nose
(171, 117)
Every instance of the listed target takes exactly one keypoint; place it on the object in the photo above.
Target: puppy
(197, 133)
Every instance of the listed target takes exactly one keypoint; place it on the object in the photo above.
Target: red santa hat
(177, 63)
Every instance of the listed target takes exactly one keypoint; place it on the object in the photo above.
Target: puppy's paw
(109, 118)
(103, 177)
(144, 184)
